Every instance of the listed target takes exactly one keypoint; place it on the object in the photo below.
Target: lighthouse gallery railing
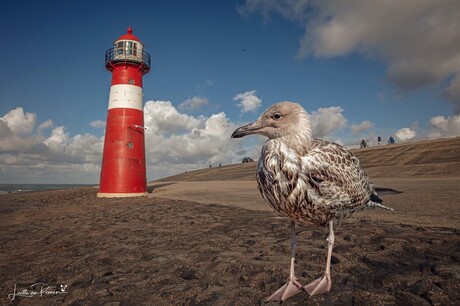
(114, 55)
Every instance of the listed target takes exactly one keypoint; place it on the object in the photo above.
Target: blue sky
(358, 74)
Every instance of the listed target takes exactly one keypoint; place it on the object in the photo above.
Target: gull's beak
(251, 128)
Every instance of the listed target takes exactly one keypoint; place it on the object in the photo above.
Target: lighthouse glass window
(120, 48)
(126, 48)
(131, 48)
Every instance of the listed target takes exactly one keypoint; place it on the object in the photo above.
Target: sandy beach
(207, 238)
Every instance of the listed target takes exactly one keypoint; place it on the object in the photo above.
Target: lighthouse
(123, 170)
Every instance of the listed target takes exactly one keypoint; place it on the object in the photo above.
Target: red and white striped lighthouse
(123, 171)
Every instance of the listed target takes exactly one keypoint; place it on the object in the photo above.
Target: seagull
(308, 180)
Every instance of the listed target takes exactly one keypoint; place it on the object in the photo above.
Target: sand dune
(207, 238)
(435, 158)
(426, 172)
(427, 159)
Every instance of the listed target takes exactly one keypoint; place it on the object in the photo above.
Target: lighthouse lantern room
(123, 170)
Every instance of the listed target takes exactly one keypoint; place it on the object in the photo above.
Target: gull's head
(279, 120)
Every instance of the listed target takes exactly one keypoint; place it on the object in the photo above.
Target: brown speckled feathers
(324, 183)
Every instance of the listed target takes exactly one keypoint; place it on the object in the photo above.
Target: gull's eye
(276, 116)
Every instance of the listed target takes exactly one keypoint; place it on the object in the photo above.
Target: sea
(16, 188)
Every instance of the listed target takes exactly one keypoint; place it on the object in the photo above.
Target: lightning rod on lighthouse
(123, 170)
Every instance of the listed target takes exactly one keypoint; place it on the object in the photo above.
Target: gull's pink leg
(292, 287)
(323, 284)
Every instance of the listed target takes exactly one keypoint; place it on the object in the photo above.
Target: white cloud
(58, 138)
(248, 101)
(418, 39)
(325, 121)
(4, 129)
(18, 121)
(45, 125)
(363, 126)
(444, 126)
(193, 104)
(98, 124)
(26, 155)
(163, 117)
(178, 142)
(405, 134)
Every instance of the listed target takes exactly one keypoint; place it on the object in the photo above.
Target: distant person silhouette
(391, 140)
(379, 139)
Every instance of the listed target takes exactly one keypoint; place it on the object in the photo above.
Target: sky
(360, 68)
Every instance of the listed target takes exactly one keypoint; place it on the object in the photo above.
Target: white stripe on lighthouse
(125, 96)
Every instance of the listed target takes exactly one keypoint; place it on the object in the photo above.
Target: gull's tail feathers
(376, 202)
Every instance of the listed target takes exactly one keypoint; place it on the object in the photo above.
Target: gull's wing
(336, 177)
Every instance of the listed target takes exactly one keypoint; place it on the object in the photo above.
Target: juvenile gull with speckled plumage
(310, 181)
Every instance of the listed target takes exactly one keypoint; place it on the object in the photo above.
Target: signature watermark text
(37, 290)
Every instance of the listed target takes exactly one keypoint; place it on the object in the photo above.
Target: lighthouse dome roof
(128, 36)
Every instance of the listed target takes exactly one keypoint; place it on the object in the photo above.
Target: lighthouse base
(121, 195)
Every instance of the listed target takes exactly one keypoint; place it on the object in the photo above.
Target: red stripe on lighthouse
(130, 74)
(124, 153)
